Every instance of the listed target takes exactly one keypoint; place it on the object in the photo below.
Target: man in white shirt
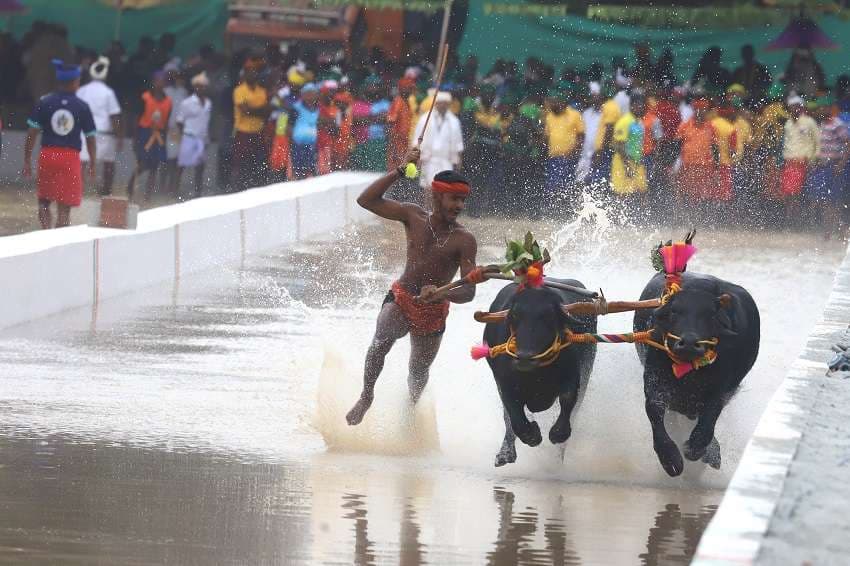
(107, 119)
(591, 116)
(193, 122)
(177, 92)
(442, 146)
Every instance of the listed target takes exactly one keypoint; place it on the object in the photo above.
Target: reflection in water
(516, 533)
(675, 536)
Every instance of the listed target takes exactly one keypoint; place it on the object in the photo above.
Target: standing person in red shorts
(62, 119)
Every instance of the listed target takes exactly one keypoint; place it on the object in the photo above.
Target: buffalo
(537, 372)
(711, 328)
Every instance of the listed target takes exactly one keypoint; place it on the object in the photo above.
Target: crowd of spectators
(721, 144)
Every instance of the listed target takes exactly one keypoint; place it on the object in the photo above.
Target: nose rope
(551, 354)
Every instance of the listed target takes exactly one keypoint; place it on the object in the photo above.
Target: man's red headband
(450, 188)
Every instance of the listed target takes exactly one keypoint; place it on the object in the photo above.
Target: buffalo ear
(724, 301)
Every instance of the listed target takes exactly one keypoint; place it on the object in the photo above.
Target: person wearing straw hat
(442, 146)
(437, 246)
(62, 120)
(193, 124)
(107, 118)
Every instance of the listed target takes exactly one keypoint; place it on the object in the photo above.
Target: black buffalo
(537, 318)
(706, 308)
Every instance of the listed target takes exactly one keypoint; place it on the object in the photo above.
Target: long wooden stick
(442, 60)
(600, 307)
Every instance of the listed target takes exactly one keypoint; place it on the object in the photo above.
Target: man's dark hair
(450, 177)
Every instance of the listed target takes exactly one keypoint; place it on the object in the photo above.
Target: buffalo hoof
(670, 458)
(531, 435)
(505, 456)
(560, 433)
(693, 453)
(712, 454)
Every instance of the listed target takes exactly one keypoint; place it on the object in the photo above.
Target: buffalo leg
(704, 430)
(507, 454)
(527, 431)
(712, 454)
(562, 430)
(667, 451)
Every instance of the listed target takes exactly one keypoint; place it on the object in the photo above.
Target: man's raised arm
(372, 199)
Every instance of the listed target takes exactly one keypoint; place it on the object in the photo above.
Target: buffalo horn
(491, 317)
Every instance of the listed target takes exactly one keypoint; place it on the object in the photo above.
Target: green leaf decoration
(519, 256)
(529, 241)
(656, 258)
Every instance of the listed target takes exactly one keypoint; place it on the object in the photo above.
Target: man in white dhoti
(193, 122)
(442, 145)
(107, 118)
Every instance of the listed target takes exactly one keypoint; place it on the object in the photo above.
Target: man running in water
(437, 246)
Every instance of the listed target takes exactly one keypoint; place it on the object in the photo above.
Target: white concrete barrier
(51, 271)
(737, 531)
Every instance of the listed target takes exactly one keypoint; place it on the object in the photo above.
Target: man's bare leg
(63, 215)
(391, 326)
(199, 180)
(108, 178)
(423, 351)
(44, 216)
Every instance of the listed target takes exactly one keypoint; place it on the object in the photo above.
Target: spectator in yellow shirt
(250, 111)
(600, 166)
(564, 129)
(727, 143)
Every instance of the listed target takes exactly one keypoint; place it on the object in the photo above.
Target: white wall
(51, 271)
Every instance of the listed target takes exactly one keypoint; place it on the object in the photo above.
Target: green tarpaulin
(516, 30)
(92, 22)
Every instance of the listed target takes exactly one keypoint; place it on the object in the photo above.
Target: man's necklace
(434, 233)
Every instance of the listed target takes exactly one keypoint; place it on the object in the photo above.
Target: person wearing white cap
(107, 119)
(193, 122)
(442, 145)
(800, 149)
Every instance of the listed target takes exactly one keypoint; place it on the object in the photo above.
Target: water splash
(584, 240)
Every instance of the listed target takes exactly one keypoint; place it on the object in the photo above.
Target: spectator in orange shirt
(697, 178)
(150, 135)
(400, 119)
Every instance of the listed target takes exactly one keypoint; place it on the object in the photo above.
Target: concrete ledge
(737, 532)
(51, 271)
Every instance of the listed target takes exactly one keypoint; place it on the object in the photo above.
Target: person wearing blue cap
(62, 120)
(304, 118)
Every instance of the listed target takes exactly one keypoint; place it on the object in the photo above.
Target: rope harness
(551, 354)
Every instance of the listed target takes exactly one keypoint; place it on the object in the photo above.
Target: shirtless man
(437, 246)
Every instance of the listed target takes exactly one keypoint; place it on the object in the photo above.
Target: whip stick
(443, 57)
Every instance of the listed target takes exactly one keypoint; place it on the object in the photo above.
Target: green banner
(499, 29)
(93, 23)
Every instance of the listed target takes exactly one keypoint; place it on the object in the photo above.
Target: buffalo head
(537, 319)
(691, 320)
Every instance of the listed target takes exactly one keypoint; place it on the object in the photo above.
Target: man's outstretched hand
(412, 156)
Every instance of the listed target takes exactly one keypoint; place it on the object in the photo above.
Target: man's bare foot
(356, 414)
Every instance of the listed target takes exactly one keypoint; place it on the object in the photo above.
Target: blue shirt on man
(62, 117)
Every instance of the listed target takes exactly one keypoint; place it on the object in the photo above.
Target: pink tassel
(676, 256)
(480, 352)
(682, 369)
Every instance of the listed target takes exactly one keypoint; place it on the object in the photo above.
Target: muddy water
(192, 423)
